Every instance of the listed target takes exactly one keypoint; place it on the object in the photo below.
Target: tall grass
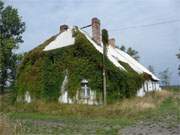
(122, 112)
(4, 125)
(127, 107)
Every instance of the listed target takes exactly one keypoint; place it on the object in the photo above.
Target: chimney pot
(63, 28)
(112, 42)
(96, 34)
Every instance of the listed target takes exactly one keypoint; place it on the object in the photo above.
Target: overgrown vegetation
(42, 73)
(126, 108)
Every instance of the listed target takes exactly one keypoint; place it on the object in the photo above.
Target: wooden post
(105, 43)
(104, 76)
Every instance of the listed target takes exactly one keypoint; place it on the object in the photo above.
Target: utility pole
(105, 43)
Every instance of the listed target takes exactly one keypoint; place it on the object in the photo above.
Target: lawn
(54, 119)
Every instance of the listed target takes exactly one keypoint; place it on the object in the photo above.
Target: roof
(114, 54)
(63, 39)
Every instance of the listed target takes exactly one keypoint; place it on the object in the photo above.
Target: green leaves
(178, 56)
(1, 5)
(133, 53)
(45, 75)
(11, 28)
(105, 36)
(165, 77)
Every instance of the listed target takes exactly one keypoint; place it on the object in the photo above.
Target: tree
(123, 48)
(11, 29)
(178, 56)
(165, 77)
(105, 43)
(151, 69)
(131, 52)
(15, 61)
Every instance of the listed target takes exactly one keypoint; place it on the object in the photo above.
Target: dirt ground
(150, 128)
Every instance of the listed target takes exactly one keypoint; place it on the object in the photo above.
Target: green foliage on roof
(42, 73)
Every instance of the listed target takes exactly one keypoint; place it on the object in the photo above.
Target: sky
(126, 20)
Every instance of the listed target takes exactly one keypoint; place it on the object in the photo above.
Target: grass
(52, 118)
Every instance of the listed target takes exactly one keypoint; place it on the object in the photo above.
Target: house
(84, 93)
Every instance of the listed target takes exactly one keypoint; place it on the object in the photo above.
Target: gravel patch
(151, 128)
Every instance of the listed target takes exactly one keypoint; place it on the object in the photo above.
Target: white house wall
(91, 101)
(63, 98)
(27, 97)
(141, 92)
(148, 86)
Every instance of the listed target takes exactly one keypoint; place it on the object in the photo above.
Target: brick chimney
(96, 34)
(63, 28)
(112, 42)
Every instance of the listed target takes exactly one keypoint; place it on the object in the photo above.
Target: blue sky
(157, 44)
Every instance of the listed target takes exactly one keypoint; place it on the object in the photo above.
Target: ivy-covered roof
(42, 71)
(114, 54)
